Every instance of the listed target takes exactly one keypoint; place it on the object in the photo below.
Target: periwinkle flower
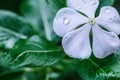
(77, 22)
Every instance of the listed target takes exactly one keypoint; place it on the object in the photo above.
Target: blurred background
(29, 13)
(64, 70)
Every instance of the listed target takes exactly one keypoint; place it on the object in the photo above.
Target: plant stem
(44, 18)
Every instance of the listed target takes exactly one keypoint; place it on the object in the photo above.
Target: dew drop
(66, 21)
(113, 34)
(93, 2)
(111, 38)
(80, 7)
(107, 10)
(115, 18)
(68, 37)
(84, 1)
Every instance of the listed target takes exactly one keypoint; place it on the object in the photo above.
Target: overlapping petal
(104, 43)
(87, 7)
(110, 19)
(66, 20)
(76, 43)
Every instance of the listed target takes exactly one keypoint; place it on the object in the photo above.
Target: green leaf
(117, 5)
(106, 2)
(12, 5)
(35, 52)
(37, 12)
(96, 69)
(12, 28)
(5, 59)
(55, 5)
(24, 73)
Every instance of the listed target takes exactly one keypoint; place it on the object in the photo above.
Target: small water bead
(69, 36)
(111, 37)
(113, 34)
(66, 20)
(66, 38)
(107, 10)
(80, 7)
(115, 18)
(93, 2)
(84, 1)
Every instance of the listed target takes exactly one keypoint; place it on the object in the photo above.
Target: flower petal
(104, 43)
(87, 7)
(110, 19)
(66, 20)
(76, 43)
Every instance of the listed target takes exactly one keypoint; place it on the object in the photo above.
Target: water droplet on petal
(80, 7)
(68, 37)
(93, 2)
(116, 18)
(113, 34)
(107, 10)
(84, 1)
(66, 21)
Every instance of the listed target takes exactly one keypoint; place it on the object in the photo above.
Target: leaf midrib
(97, 66)
(21, 36)
(36, 51)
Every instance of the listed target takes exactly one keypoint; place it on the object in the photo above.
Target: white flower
(75, 28)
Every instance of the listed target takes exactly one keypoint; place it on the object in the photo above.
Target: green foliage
(106, 2)
(30, 50)
(12, 28)
(38, 13)
(105, 69)
(36, 52)
(56, 4)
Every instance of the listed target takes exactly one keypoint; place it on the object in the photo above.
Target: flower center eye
(92, 21)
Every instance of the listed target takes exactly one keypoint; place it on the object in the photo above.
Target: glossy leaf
(55, 5)
(37, 12)
(12, 28)
(35, 52)
(23, 73)
(116, 5)
(106, 2)
(95, 69)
